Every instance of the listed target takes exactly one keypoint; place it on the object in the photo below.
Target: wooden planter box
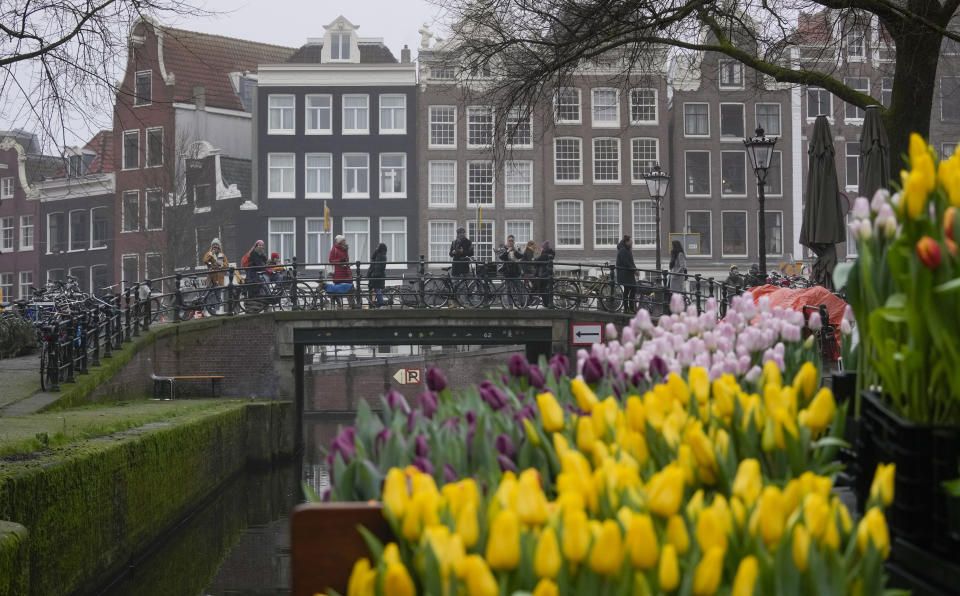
(325, 543)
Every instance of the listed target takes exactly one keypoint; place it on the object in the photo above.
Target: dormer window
(340, 46)
(76, 166)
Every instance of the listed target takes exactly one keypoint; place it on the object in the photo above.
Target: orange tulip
(949, 216)
(928, 251)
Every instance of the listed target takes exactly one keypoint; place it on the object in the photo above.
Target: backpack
(245, 261)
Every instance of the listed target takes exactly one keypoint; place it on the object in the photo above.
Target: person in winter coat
(274, 267)
(678, 267)
(511, 257)
(340, 257)
(461, 249)
(376, 275)
(627, 274)
(256, 261)
(529, 254)
(216, 261)
(545, 273)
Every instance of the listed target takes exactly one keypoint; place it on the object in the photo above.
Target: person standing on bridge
(529, 254)
(216, 261)
(461, 249)
(627, 274)
(340, 257)
(545, 273)
(376, 275)
(678, 267)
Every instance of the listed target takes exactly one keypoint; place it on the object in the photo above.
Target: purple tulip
(436, 381)
(518, 365)
(382, 437)
(411, 421)
(504, 445)
(592, 370)
(528, 411)
(536, 377)
(471, 417)
(423, 464)
(451, 423)
(559, 364)
(344, 445)
(636, 378)
(506, 464)
(505, 379)
(449, 474)
(428, 404)
(658, 366)
(493, 395)
(422, 448)
(326, 496)
(395, 400)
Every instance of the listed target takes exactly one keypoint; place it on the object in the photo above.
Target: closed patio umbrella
(823, 214)
(874, 154)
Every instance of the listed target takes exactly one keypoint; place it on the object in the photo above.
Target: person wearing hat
(256, 261)
(216, 261)
(274, 267)
(340, 258)
(461, 249)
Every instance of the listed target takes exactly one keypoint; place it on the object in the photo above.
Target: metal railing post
(126, 316)
(107, 332)
(53, 353)
(699, 300)
(147, 308)
(358, 291)
(71, 341)
(421, 271)
(177, 298)
(665, 291)
(83, 336)
(231, 298)
(95, 356)
(138, 307)
(118, 323)
(293, 283)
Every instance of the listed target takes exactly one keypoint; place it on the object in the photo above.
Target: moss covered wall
(88, 510)
(14, 559)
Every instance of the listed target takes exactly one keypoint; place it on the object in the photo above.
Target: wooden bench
(171, 381)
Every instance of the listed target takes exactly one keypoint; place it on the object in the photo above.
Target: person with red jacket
(340, 258)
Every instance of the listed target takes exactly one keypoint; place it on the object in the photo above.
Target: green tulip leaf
(951, 286)
(841, 272)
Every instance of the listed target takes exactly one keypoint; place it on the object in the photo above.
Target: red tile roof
(203, 59)
(813, 27)
(102, 145)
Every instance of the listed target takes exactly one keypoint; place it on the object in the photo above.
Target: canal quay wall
(82, 516)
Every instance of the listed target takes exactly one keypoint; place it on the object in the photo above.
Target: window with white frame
(519, 128)
(356, 114)
(79, 229)
(130, 269)
(768, 118)
(697, 173)
(443, 126)
(696, 119)
(733, 173)
(80, 274)
(443, 72)
(701, 223)
(644, 223)
(281, 173)
(202, 198)
(606, 160)
(393, 114)
(567, 160)
(482, 239)
(6, 187)
(949, 92)
(318, 168)
(131, 149)
(280, 114)
(734, 233)
(567, 106)
(6, 233)
(357, 232)
(318, 114)
(319, 241)
(856, 50)
(819, 103)
(606, 224)
(853, 163)
(569, 224)
(143, 88)
(479, 126)
(154, 147)
(886, 91)
(606, 107)
(154, 265)
(442, 190)
(393, 175)
(99, 279)
(518, 183)
(440, 233)
(520, 229)
(643, 106)
(773, 185)
(480, 183)
(393, 233)
(731, 74)
(340, 45)
(99, 227)
(26, 282)
(75, 166)
(773, 227)
(850, 111)
(58, 233)
(644, 154)
(356, 175)
(26, 232)
(731, 121)
(130, 206)
(154, 205)
(6, 287)
(282, 236)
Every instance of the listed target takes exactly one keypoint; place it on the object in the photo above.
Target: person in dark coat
(511, 257)
(461, 249)
(545, 274)
(529, 254)
(376, 275)
(678, 267)
(627, 274)
(256, 261)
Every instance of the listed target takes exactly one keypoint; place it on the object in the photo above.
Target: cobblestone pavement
(19, 378)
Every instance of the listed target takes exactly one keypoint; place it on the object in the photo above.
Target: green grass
(50, 430)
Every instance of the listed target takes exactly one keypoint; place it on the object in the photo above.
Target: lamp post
(760, 150)
(657, 182)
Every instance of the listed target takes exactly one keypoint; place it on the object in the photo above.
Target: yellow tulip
(586, 399)
(391, 553)
(699, 383)
(560, 445)
(478, 577)
(722, 510)
(873, 529)
(678, 388)
(641, 587)
(531, 432)
(606, 556)
(362, 579)
(768, 438)
(636, 418)
(412, 524)
(585, 436)
(805, 381)
(841, 509)
(665, 491)
(545, 587)
(816, 514)
(551, 414)
(949, 174)
(706, 577)
(819, 415)
(748, 481)
(746, 577)
(458, 494)
(701, 446)
(771, 515)
(882, 486)
(801, 547)
(687, 464)
(576, 535)
(467, 526)
(723, 398)
(695, 505)
(738, 510)
(503, 545)
(395, 497)
(831, 537)
(397, 581)
(546, 558)
(710, 532)
(783, 420)
(771, 375)
(531, 502)
(677, 534)
(642, 541)
(722, 442)
(669, 571)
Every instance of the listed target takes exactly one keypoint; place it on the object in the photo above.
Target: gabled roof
(43, 167)
(235, 170)
(813, 28)
(370, 53)
(102, 146)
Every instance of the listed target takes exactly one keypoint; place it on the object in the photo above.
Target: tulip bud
(642, 541)
(669, 570)
(706, 577)
(949, 217)
(801, 547)
(535, 375)
(531, 502)
(503, 544)
(478, 577)
(362, 578)
(873, 529)
(436, 381)
(576, 535)
(770, 511)
(545, 587)
(551, 414)
(546, 559)
(821, 412)
(928, 251)
(746, 576)
(665, 491)
(395, 496)
(592, 371)
(677, 534)
(951, 246)
(585, 436)
(428, 404)
(607, 553)
(398, 581)
(710, 531)
(883, 483)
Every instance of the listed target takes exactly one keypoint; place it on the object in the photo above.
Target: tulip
(362, 579)
(801, 547)
(592, 370)
(771, 375)
(535, 375)
(658, 366)
(585, 436)
(928, 251)
(531, 503)
(467, 526)
(861, 208)
(411, 421)
(576, 535)
(952, 247)
(506, 464)
(518, 365)
(559, 365)
(586, 399)
(546, 587)
(381, 439)
(546, 558)
(665, 491)
(478, 577)
(396, 400)
(530, 432)
(873, 529)
(805, 382)
(746, 577)
(669, 571)
(391, 553)
(428, 404)
(710, 531)
(449, 473)
(819, 415)
(636, 419)
(422, 448)
(503, 444)
(706, 577)
(699, 383)
(395, 496)
(436, 381)
(771, 515)
(493, 396)
(949, 217)
(677, 534)
(424, 465)
(607, 553)
(642, 541)
(551, 414)
(503, 544)
(397, 581)
(816, 515)
(882, 486)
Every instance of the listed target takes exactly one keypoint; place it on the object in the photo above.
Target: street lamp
(657, 182)
(760, 150)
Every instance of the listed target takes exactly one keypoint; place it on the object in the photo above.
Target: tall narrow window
(26, 281)
(281, 114)
(393, 114)
(26, 232)
(644, 154)
(443, 183)
(734, 233)
(143, 88)
(154, 263)
(606, 224)
(606, 107)
(773, 224)
(131, 149)
(773, 185)
(130, 269)
(440, 233)
(855, 46)
(566, 160)
(6, 232)
(731, 74)
(644, 223)
(518, 183)
(853, 164)
(319, 110)
(850, 111)
(154, 147)
(696, 119)
(520, 229)
(319, 241)
(281, 170)
(482, 239)
(731, 121)
(567, 106)
(443, 126)
(154, 204)
(519, 128)
(99, 227)
(393, 233)
(282, 237)
(643, 106)
(357, 232)
(768, 118)
(356, 175)
(356, 114)
(733, 173)
(6, 187)
(701, 224)
(393, 175)
(319, 174)
(480, 183)
(606, 160)
(79, 230)
(886, 91)
(819, 103)
(569, 223)
(479, 126)
(697, 173)
(340, 46)
(131, 211)
(99, 280)
(6, 287)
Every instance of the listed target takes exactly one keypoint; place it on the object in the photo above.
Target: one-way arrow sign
(585, 334)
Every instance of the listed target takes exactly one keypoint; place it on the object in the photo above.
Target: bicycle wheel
(306, 299)
(211, 303)
(44, 363)
(512, 295)
(610, 297)
(436, 292)
(566, 294)
(468, 293)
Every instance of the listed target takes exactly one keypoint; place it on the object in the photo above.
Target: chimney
(200, 97)
(405, 55)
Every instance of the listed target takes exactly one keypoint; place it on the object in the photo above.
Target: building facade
(19, 217)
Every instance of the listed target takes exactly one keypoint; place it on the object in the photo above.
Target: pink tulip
(611, 331)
